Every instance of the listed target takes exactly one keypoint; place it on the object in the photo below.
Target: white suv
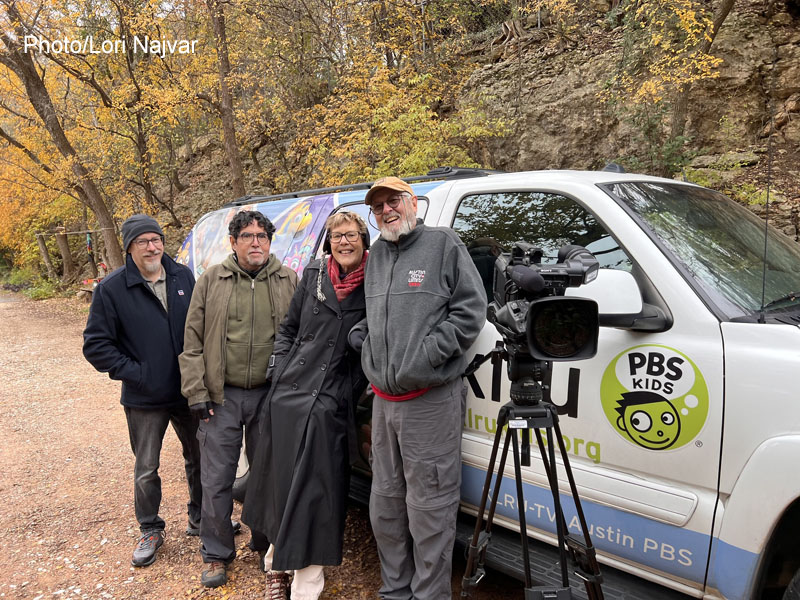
(691, 487)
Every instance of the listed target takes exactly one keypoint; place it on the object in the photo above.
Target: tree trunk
(144, 163)
(680, 108)
(68, 272)
(226, 101)
(22, 65)
(173, 166)
(51, 272)
(89, 245)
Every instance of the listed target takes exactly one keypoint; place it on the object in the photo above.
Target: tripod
(527, 411)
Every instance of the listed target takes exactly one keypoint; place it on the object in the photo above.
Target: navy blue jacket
(131, 337)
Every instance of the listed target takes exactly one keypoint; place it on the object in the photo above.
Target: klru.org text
(88, 45)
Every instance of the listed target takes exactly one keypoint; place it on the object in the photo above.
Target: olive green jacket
(204, 354)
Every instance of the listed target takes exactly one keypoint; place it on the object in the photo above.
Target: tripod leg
(584, 553)
(545, 453)
(561, 525)
(498, 479)
(473, 571)
(523, 527)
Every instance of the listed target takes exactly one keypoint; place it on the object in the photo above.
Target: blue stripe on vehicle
(733, 569)
(674, 550)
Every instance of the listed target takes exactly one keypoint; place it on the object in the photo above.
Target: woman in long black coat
(297, 491)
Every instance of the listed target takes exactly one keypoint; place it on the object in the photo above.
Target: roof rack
(432, 175)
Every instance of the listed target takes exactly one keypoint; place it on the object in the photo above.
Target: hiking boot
(277, 585)
(145, 552)
(215, 576)
(194, 527)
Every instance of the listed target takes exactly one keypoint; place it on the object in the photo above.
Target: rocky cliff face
(549, 91)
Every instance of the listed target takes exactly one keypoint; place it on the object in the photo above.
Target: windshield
(720, 244)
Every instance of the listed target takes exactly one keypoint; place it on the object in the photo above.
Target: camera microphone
(527, 279)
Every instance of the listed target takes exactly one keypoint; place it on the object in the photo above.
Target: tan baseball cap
(389, 183)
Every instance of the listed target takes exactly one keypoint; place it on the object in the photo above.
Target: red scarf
(344, 286)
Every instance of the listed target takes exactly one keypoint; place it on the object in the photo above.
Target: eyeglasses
(247, 237)
(393, 202)
(351, 236)
(142, 244)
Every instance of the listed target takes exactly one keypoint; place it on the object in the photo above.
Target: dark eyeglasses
(351, 236)
(142, 244)
(248, 237)
(394, 202)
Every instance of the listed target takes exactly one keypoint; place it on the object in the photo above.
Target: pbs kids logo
(655, 397)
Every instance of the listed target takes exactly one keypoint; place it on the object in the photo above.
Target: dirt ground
(66, 484)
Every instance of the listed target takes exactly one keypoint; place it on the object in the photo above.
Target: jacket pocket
(236, 364)
(259, 362)
(416, 370)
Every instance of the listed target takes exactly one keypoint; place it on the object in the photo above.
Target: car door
(642, 419)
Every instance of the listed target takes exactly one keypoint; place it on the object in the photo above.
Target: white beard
(393, 234)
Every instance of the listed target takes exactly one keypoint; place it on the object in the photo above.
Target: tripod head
(526, 374)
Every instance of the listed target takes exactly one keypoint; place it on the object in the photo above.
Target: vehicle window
(491, 223)
(719, 243)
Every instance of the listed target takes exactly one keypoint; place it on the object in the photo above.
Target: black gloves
(201, 410)
(357, 335)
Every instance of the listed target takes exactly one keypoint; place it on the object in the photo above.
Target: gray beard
(153, 267)
(393, 235)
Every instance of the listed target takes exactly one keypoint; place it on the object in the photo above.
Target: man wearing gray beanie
(135, 334)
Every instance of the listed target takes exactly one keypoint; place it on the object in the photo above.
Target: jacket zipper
(386, 316)
(249, 378)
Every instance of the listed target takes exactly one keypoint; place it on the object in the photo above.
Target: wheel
(242, 475)
(793, 589)
(240, 487)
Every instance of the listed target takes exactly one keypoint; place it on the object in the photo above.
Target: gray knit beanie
(135, 226)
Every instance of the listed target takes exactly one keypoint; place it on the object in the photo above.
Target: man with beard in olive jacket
(235, 312)
(426, 305)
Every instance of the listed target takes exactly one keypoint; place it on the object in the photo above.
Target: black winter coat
(131, 337)
(297, 491)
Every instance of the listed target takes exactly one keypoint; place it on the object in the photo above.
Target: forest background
(173, 108)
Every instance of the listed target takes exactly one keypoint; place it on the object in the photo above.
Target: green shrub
(42, 290)
(30, 283)
(21, 277)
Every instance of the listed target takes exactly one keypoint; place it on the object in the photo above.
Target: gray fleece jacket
(425, 307)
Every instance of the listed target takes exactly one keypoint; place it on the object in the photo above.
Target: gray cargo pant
(220, 444)
(416, 481)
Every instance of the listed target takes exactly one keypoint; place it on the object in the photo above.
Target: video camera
(538, 325)
(537, 322)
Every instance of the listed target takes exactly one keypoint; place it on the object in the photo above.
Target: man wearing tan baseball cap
(394, 206)
(425, 307)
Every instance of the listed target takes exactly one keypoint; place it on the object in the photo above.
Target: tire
(240, 487)
(242, 475)
(793, 589)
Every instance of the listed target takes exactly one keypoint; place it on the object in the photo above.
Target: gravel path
(67, 484)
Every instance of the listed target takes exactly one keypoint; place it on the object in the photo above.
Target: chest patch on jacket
(416, 277)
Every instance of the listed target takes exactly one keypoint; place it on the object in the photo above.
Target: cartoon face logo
(649, 419)
(654, 397)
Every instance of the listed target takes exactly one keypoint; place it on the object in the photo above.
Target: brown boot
(277, 585)
(215, 575)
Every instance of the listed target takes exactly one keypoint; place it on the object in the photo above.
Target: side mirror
(620, 304)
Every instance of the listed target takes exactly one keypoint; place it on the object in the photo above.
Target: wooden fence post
(66, 257)
(51, 272)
